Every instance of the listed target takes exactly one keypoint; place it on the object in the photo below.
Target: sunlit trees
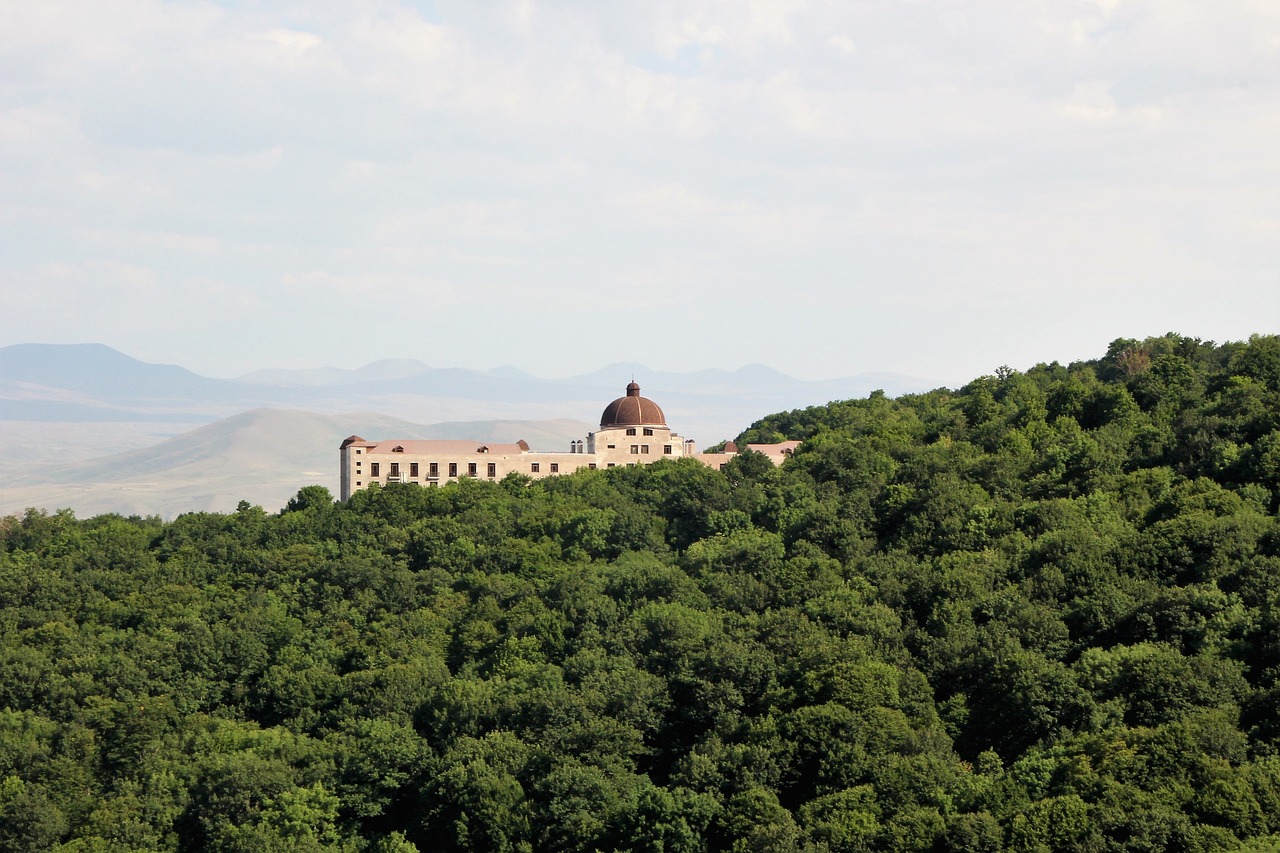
(1035, 613)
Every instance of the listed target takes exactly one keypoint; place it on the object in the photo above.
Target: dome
(632, 410)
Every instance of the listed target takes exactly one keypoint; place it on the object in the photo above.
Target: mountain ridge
(86, 366)
(157, 414)
(262, 456)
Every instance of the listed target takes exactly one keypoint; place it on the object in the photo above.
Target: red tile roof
(445, 446)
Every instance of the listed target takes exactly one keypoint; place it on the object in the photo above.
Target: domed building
(633, 431)
(632, 410)
(633, 427)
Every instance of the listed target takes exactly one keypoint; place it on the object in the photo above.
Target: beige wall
(357, 466)
(358, 459)
(614, 447)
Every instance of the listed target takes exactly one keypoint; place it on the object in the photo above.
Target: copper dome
(632, 410)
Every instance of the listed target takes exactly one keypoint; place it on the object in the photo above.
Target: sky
(932, 188)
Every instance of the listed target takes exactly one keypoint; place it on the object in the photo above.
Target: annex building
(633, 431)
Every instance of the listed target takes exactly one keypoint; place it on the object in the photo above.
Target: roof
(776, 452)
(446, 447)
(632, 410)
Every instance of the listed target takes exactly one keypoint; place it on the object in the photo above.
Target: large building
(633, 430)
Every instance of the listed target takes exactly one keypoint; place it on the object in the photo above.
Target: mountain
(93, 382)
(378, 370)
(263, 456)
(1038, 613)
(752, 375)
(102, 373)
(89, 427)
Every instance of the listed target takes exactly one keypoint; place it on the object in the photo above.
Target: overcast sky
(929, 188)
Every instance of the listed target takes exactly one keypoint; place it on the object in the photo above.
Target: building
(633, 431)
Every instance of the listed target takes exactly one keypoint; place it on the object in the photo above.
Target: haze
(929, 188)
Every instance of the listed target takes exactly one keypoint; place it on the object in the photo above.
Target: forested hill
(1040, 612)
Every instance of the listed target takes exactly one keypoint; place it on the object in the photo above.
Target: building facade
(633, 431)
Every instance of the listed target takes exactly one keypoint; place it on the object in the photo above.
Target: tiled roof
(776, 452)
(445, 446)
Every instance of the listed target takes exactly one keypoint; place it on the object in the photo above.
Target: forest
(1037, 613)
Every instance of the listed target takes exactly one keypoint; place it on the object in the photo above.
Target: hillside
(1036, 613)
(91, 384)
(260, 456)
(71, 415)
(103, 373)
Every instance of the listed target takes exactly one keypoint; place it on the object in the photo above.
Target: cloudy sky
(933, 188)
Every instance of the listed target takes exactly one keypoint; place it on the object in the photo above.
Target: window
(592, 466)
(433, 469)
(413, 469)
(358, 483)
(535, 467)
(610, 465)
(611, 446)
(471, 469)
(555, 467)
(357, 452)
(644, 448)
(631, 430)
(453, 469)
(395, 469)
(648, 431)
(493, 469)
(635, 448)
(373, 468)
(666, 448)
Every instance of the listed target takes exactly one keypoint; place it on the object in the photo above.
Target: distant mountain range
(263, 456)
(89, 427)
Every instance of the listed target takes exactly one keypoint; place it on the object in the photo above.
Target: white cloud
(887, 168)
(843, 43)
(1089, 102)
(287, 43)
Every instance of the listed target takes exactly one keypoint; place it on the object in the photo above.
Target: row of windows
(472, 470)
(632, 431)
(643, 449)
(433, 469)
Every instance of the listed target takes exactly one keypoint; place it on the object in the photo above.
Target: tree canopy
(1035, 613)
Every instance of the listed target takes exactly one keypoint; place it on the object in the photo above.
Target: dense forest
(1037, 613)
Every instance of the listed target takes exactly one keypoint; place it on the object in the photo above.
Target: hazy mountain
(86, 382)
(750, 375)
(263, 456)
(509, 372)
(89, 427)
(389, 368)
(62, 411)
(101, 372)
